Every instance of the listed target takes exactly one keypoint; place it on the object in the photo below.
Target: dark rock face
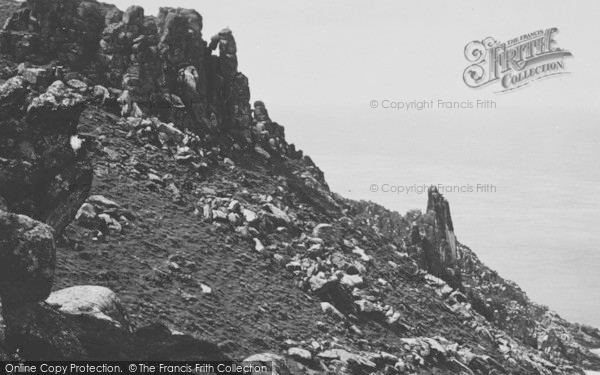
(157, 341)
(42, 172)
(27, 262)
(144, 66)
(45, 176)
(435, 242)
(7, 8)
(126, 53)
(66, 30)
(156, 61)
(234, 111)
(27, 259)
(45, 173)
(261, 116)
(183, 52)
(440, 239)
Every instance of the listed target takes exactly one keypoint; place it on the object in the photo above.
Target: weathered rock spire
(435, 237)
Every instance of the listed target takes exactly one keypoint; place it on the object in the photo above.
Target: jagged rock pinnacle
(435, 240)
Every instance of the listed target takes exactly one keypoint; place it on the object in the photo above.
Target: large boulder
(27, 262)
(27, 259)
(96, 301)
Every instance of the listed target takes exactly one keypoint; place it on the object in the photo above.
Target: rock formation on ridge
(202, 217)
(438, 242)
(159, 62)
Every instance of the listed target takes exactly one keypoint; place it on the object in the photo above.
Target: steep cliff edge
(202, 219)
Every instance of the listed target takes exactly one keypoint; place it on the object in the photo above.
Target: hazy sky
(318, 64)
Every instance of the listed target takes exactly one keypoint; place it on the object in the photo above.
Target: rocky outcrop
(66, 30)
(235, 111)
(127, 55)
(159, 63)
(150, 67)
(183, 53)
(434, 240)
(439, 229)
(45, 176)
(44, 170)
(201, 186)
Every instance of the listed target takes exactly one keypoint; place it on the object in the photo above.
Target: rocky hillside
(149, 211)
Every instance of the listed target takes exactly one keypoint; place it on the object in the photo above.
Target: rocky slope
(201, 218)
